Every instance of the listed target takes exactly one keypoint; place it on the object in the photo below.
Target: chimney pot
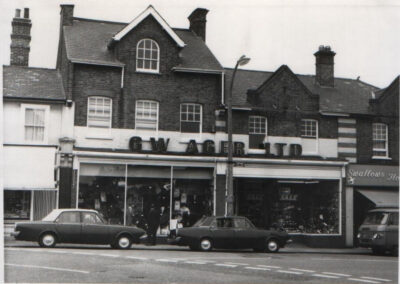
(17, 13)
(26, 13)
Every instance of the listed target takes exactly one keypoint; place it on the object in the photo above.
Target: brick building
(149, 105)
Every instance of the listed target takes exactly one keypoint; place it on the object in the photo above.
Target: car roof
(56, 212)
(385, 210)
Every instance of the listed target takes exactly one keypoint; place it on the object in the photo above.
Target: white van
(380, 231)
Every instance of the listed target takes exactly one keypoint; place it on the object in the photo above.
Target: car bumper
(176, 241)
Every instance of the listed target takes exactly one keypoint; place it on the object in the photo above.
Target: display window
(310, 207)
(17, 204)
(184, 194)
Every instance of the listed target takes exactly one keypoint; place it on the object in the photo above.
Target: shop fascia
(161, 146)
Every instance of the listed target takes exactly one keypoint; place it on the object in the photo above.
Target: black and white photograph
(199, 141)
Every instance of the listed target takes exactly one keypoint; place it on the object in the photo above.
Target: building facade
(148, 113)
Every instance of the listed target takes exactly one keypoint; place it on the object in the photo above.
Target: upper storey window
(257, 125)
(36, 123)
(146, 115)
(309, 128)
(380, 140)
(148, 56)
(191, 116)
(99, 112)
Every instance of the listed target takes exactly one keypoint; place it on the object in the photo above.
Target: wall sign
(373, 175)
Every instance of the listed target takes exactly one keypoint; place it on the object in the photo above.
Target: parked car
(380, 231)
(230, 232)
(76, 226)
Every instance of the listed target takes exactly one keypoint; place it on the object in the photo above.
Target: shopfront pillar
(220, 198)
(349, 215)
(65, 173)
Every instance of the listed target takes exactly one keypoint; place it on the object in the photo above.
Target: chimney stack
(324, 66)
(20, 38)
(198, 21)
(67, 14)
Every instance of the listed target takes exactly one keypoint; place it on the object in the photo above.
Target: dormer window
(147, 56)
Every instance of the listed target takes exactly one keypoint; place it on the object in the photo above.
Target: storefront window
(183, 193)
(17, 204)
(297, 206)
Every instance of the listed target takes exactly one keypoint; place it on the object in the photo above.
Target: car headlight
(358, 235)
(378, 236)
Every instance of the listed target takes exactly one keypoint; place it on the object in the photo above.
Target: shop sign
(161, 146)
(373, 175)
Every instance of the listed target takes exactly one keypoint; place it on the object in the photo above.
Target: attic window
(147, 56)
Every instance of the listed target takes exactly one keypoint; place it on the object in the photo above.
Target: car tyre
(378, 251)
(47, 240)
(205, 244)
(272, 245)
(123, 242)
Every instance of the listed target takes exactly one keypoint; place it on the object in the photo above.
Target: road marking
(236, 263)
(374, 278)
(225, 265)
(83, 253)
(257, 268)
(269, 266)
(195, 262)
(167, 260)
(290, 272)
(325, 276)
(302, 270)
(136, 257)
(352, 260)
(109, 255)
(337, 274)
(363, 280)
(47, 267)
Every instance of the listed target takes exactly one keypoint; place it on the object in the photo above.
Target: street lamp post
(229, 175)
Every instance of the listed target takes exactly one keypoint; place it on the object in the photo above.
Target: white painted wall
(119, 139)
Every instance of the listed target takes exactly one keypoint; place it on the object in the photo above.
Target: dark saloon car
(76, 226)
(230, 232)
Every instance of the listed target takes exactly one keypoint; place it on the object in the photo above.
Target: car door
(94, 231)
(68, 227)
(222, 233)
(246, 235)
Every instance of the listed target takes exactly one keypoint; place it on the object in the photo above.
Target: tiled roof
(348, 96)
(32, 83)
(87, 40)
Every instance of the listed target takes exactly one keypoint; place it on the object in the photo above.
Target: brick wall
(91, 80)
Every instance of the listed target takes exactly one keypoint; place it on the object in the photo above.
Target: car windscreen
(51, 216)
(376, 218)
(204, 221)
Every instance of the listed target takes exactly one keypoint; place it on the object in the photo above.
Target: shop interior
(17, 205)
(298, 206)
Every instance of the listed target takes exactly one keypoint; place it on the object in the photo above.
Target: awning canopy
(382, 198)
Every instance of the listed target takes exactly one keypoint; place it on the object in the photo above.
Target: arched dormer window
(147, 56)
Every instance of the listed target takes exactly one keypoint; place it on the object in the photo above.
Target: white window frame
(144, 58)
(194, 117)
(385, 139)
(46, 109)
(144, 117)
(88, 107)
(260, 118)
(307, 135)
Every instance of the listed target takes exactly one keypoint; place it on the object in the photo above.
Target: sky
(363, 33)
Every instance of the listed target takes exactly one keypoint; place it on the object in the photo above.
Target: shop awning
(29, 167)
(382, 198)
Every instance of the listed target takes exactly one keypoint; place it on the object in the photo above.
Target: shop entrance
(309, 206)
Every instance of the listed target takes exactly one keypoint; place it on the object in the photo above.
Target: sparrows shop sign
(373, 175)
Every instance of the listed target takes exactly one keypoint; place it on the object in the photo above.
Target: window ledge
(148, 72)
(97, 137)
(256, 151)
(381, 158)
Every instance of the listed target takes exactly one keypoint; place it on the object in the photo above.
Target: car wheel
(205, 244)
(272, 245)
(378, 251)
(47, 240)
(123, 242)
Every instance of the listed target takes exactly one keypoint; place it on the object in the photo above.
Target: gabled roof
(347, 97)
(149, 11)
(32, 83)
(97, 34)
